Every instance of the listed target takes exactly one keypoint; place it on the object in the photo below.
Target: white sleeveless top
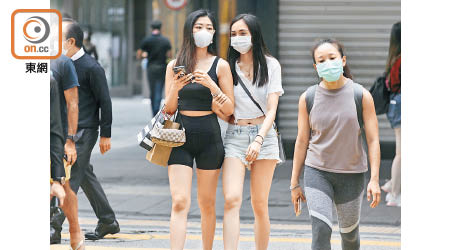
(244, 107)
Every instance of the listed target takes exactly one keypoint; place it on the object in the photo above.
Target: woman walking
(251, 140)
(207, 82)
(393, 80)
(330, 145)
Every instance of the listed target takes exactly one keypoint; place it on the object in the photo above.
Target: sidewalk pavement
(138, 189)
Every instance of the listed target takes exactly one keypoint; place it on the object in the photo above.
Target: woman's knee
(260, 206)
(321, 234)
(180, 203)
(232, 201)
(207, 204)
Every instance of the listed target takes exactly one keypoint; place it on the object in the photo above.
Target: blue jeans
(155, 75)
(394, 113)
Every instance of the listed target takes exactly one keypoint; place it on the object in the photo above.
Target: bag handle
(171, 117)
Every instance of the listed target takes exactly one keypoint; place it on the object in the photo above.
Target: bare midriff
(195, 113)
(254, 121)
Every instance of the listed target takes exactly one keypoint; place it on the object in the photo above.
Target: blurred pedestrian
(65, 75)
(94, 110)
(251, 140)
(393, 81)
(207, 82)
(330, 145)
(57, 171)
(88, 46)
(157, 49)
(60, 186)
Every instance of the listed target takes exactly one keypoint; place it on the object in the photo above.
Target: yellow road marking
(362, 229)
(119, 236)
(279, 239)
(65, 247)
(243, 239)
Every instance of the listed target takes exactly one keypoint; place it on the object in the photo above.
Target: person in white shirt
(251, 139)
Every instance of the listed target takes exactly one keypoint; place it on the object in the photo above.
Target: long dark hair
(394, 46)
(186, 56)
(340, 48)
(259, 51)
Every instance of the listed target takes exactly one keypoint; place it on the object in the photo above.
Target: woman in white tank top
(251, 140)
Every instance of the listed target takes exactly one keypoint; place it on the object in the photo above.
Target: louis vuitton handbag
(165, 135)
(168, 136)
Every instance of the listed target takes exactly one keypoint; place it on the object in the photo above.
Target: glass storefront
(118, 27)
(107, 20)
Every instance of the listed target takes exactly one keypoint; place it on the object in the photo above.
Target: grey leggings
(322, 189)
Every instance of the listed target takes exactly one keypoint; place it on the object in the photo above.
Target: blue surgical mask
(330, 70)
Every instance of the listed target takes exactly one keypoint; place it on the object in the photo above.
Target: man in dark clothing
(157, 49)
(95, 110)
(60, 186)
(57, 172)
(64, 74)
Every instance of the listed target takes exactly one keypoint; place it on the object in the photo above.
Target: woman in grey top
(329, 143)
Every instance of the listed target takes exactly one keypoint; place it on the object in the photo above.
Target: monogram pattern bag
(145, 136)
(282, 154)
(168, 137)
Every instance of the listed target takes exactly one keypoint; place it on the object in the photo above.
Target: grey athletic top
(335, 143)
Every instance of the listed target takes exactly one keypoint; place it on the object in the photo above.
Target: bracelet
(260, 143)
(294, 187)
(262, 137)
(216, 95)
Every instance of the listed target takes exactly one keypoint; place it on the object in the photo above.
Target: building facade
(290, 28)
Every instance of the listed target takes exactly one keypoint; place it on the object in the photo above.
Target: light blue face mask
(330, 70)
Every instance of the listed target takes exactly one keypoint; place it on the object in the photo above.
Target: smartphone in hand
(177, 69)
(299, 207)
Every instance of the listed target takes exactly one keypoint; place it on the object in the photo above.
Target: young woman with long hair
(206, 86)
(330, 145)
(250, 140)
(393, 80)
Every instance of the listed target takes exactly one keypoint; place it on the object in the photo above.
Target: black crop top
(196, 97)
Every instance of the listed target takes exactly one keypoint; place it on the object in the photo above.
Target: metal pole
(176, 31)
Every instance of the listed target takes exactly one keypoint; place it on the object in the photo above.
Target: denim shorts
(394, 113)
(238, 138)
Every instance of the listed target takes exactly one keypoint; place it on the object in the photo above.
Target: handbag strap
(253, 99)
(250, 95)
(172, 117)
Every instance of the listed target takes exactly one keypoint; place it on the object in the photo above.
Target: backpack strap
(358, 96)
(309, 98)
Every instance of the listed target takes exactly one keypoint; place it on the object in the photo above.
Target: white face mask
(241, 43)
(203, 38)
(64, 51)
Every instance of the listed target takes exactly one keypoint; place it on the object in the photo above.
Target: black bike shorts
(203, 143)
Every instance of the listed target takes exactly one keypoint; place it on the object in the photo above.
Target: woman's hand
(297, 194)
(179, 83)
(252, 151)
(205, 80)
(373, 190)
(219, 100)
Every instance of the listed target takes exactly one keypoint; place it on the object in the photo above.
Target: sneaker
(387, 187)
(395, 201)
(388, 197)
